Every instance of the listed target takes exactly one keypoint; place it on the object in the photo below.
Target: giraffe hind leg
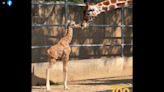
(52, 62)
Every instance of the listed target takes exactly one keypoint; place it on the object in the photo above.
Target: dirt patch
(91, 85)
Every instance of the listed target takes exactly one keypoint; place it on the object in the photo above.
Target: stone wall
(83, 69)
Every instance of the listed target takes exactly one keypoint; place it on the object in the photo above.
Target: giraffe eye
(91, 9)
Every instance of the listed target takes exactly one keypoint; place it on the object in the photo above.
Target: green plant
(96, 1)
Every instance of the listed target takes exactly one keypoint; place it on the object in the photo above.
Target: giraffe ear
(88, 6)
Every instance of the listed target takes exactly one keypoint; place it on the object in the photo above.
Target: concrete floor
(92, 85)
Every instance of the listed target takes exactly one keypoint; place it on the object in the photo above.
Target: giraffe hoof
(66, 88)
(48, 89)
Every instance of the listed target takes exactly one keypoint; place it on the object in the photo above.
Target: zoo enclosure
(87, 45)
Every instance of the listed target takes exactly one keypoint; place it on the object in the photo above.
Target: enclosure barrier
(87, 45)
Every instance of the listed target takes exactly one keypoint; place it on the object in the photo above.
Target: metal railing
(86, 45)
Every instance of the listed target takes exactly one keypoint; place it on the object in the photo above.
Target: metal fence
(86, 45)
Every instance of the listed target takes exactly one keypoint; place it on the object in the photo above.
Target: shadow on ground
(108, 82)
(39, 80)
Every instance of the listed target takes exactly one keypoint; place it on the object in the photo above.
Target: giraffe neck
(107, 5)
(68, 35)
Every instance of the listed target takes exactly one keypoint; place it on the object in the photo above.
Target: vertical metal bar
(66, 5)
(122, 32)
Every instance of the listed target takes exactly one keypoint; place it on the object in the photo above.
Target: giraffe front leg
(65, 70)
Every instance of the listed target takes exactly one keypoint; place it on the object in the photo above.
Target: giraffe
(61, 50)
(93, 10)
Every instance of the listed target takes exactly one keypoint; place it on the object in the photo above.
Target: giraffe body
(61, 50)
(93, 10)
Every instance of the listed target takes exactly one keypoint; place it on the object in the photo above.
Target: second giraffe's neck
(107, 5)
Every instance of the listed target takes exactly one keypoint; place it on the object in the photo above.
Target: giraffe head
(89, 14)
(92, 10)
(72, 24)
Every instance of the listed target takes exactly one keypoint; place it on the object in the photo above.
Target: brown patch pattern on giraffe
(112, 7)
(104, 8)
(106, 3)
(130, 2)
(113, 1)
(120, 4)
(99, 4)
